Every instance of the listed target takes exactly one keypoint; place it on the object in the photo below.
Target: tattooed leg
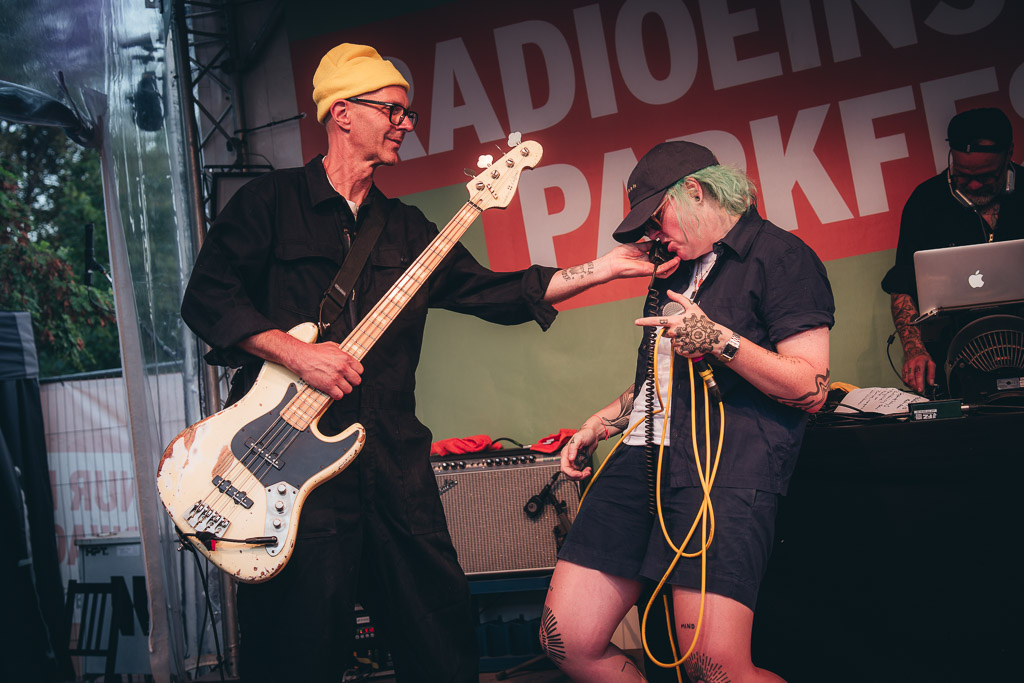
(553, 645)
(722, 652)
(582, 609)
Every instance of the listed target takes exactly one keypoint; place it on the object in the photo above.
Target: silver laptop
(971, 276)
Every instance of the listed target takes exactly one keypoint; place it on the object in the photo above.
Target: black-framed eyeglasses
(397, 113)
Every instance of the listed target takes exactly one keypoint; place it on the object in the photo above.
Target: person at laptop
(971, 202)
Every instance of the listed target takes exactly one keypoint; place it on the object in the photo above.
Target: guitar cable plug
(210, 540)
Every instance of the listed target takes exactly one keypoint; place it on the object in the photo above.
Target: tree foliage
(50, 189)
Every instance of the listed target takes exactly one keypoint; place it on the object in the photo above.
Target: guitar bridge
(202, 517)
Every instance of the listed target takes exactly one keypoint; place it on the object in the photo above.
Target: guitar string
(240, 473)
(386, 306)
(272, 443)
(285, 433)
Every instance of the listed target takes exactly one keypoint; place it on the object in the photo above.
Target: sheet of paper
(884, 400)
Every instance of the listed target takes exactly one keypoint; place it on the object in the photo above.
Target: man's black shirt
(933, 219)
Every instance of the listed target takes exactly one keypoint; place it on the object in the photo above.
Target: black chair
(99, 624)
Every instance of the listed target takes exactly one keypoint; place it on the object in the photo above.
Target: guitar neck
(310, 402)
(377, 321)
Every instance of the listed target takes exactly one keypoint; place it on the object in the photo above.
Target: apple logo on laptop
(976, 280)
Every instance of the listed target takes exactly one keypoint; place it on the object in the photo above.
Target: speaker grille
(484, 508)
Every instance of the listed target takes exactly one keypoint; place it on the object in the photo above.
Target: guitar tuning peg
(484, 160)
(469, 173)
(514, 139)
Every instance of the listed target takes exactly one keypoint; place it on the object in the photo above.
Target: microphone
(701, 365)
(535, 506)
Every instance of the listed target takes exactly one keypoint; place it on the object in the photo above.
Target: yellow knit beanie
(349, 70)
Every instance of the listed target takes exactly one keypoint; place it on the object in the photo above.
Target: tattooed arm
(795, 375)
(625, 260)
(918, 366)
(605, 423)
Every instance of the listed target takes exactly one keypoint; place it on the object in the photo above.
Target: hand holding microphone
(692, 333)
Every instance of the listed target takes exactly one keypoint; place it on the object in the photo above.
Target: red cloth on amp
(469, 444)
(551, 443)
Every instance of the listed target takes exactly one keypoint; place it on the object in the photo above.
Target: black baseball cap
(657, 171)
(968, 128)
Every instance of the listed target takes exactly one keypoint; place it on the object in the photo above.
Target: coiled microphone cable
(652, 339)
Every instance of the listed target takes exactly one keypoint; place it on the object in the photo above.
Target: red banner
(837, 109)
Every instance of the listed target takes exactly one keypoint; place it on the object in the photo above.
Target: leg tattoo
(550, 639)
(701, 669)
(630, 665)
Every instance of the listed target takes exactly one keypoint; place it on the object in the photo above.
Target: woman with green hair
(735, 358)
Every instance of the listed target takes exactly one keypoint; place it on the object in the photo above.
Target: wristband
(606, 432)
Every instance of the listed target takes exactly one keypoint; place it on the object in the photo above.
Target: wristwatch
(730, 349)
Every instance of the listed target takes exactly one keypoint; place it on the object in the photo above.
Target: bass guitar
(234, 483)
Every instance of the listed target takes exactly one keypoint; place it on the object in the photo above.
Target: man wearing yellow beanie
(375, 533)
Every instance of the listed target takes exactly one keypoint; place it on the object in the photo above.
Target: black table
(897, 555)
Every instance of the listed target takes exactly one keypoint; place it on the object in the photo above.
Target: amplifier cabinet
(484, 502)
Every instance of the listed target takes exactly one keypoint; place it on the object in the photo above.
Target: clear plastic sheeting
(118, 49)
(144, 140)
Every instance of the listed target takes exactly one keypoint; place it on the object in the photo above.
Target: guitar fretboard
(309, 403)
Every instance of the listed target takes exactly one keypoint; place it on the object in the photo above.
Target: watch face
(731, 347)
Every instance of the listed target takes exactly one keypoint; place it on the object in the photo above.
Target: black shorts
(614, 532)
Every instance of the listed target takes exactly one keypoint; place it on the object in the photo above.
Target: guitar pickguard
(275, 452)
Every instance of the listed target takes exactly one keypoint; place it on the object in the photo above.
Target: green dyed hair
(730, 187)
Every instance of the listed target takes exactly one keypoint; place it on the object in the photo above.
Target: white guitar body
(277, 483)
(234, 483)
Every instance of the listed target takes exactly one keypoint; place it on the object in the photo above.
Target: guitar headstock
(496, 186)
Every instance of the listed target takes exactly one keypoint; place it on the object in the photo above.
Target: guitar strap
(337, 296)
